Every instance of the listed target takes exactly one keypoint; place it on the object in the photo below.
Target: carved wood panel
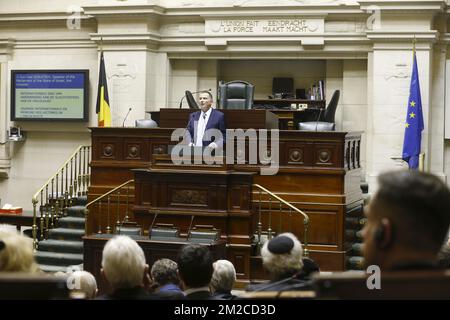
(189, 196)
(325, 155)
(109, 149)
(136, 150)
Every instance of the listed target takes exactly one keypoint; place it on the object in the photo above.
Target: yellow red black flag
(103, 110)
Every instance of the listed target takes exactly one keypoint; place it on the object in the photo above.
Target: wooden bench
(394, 285)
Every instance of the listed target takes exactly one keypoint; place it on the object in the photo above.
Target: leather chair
(325, 123)
(236, 95)
(330, 111)
(146, 123)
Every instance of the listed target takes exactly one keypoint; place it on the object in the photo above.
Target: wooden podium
(319, 173)
(191, 195)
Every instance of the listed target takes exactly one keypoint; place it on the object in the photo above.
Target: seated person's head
(16, 252)
(165, 271)
(282, 256)
(444, 257)
(407, 220)
(195, 266)
(223, 277)
(123, 263)
(85, 283)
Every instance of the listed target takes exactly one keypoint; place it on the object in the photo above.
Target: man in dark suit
(407, 221)
(195, 269)
(202, 124)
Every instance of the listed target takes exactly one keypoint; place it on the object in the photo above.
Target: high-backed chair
(325, 122)
(236, 95)
(330, 111)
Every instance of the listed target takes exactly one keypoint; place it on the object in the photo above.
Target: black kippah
(280, 245)
(2, 245)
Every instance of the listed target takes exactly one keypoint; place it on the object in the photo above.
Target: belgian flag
(103, 110)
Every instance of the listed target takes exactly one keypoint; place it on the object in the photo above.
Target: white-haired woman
(16, 252)
(223, 279)
(124, 269)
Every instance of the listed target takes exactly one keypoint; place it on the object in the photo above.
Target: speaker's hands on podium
(213, 145)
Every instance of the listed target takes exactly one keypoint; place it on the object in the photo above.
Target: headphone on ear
(379, 234)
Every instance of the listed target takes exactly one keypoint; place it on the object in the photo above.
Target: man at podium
(207, 126)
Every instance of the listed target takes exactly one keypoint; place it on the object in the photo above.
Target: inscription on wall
(288, 26)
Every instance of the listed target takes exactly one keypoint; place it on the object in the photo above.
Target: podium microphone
(181, 101)
(123, 123)
(151, 226)
(190, 227)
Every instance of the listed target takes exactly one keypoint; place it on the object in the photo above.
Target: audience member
(195, 269)
(83, 283)
(125, 270)
(16, 252)
(309, 267)
(282, 259)
(164, 274)
(223, 279)
(407, 221)
(444, 257)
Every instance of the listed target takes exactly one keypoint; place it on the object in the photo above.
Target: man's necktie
(204, 116)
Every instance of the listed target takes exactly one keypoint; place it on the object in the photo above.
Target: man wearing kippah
(282, 259)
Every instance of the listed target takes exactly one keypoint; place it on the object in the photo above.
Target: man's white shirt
(202, 121)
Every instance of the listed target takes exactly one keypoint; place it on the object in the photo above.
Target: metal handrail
(86, 210)
(35, 197)
(109, 192)
(61, 204)
(305, 217)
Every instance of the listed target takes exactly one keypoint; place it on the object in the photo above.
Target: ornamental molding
(404, 5)
(402, 36)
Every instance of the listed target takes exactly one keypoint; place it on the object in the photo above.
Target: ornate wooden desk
(319, 173)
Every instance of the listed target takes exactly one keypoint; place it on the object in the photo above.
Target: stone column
(391, 69)
(5, 158)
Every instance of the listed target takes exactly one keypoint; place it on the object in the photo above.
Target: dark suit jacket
(216, 121)
(137, 293)
(199, 295)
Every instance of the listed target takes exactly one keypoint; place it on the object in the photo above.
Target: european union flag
(414, 121)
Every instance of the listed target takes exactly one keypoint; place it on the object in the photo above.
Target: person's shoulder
(170, 295)
(218, 113)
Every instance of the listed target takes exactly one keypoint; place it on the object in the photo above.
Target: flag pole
(414, 45)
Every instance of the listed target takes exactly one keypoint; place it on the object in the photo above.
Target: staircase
(58, 214)
(64, 246)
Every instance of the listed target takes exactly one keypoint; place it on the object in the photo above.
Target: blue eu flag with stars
(414, 122)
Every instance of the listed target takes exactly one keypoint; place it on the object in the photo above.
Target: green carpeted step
(66, 234)
(72, 222)
(81, 201)
(57, 258)
(61, 246)
(76, 211)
